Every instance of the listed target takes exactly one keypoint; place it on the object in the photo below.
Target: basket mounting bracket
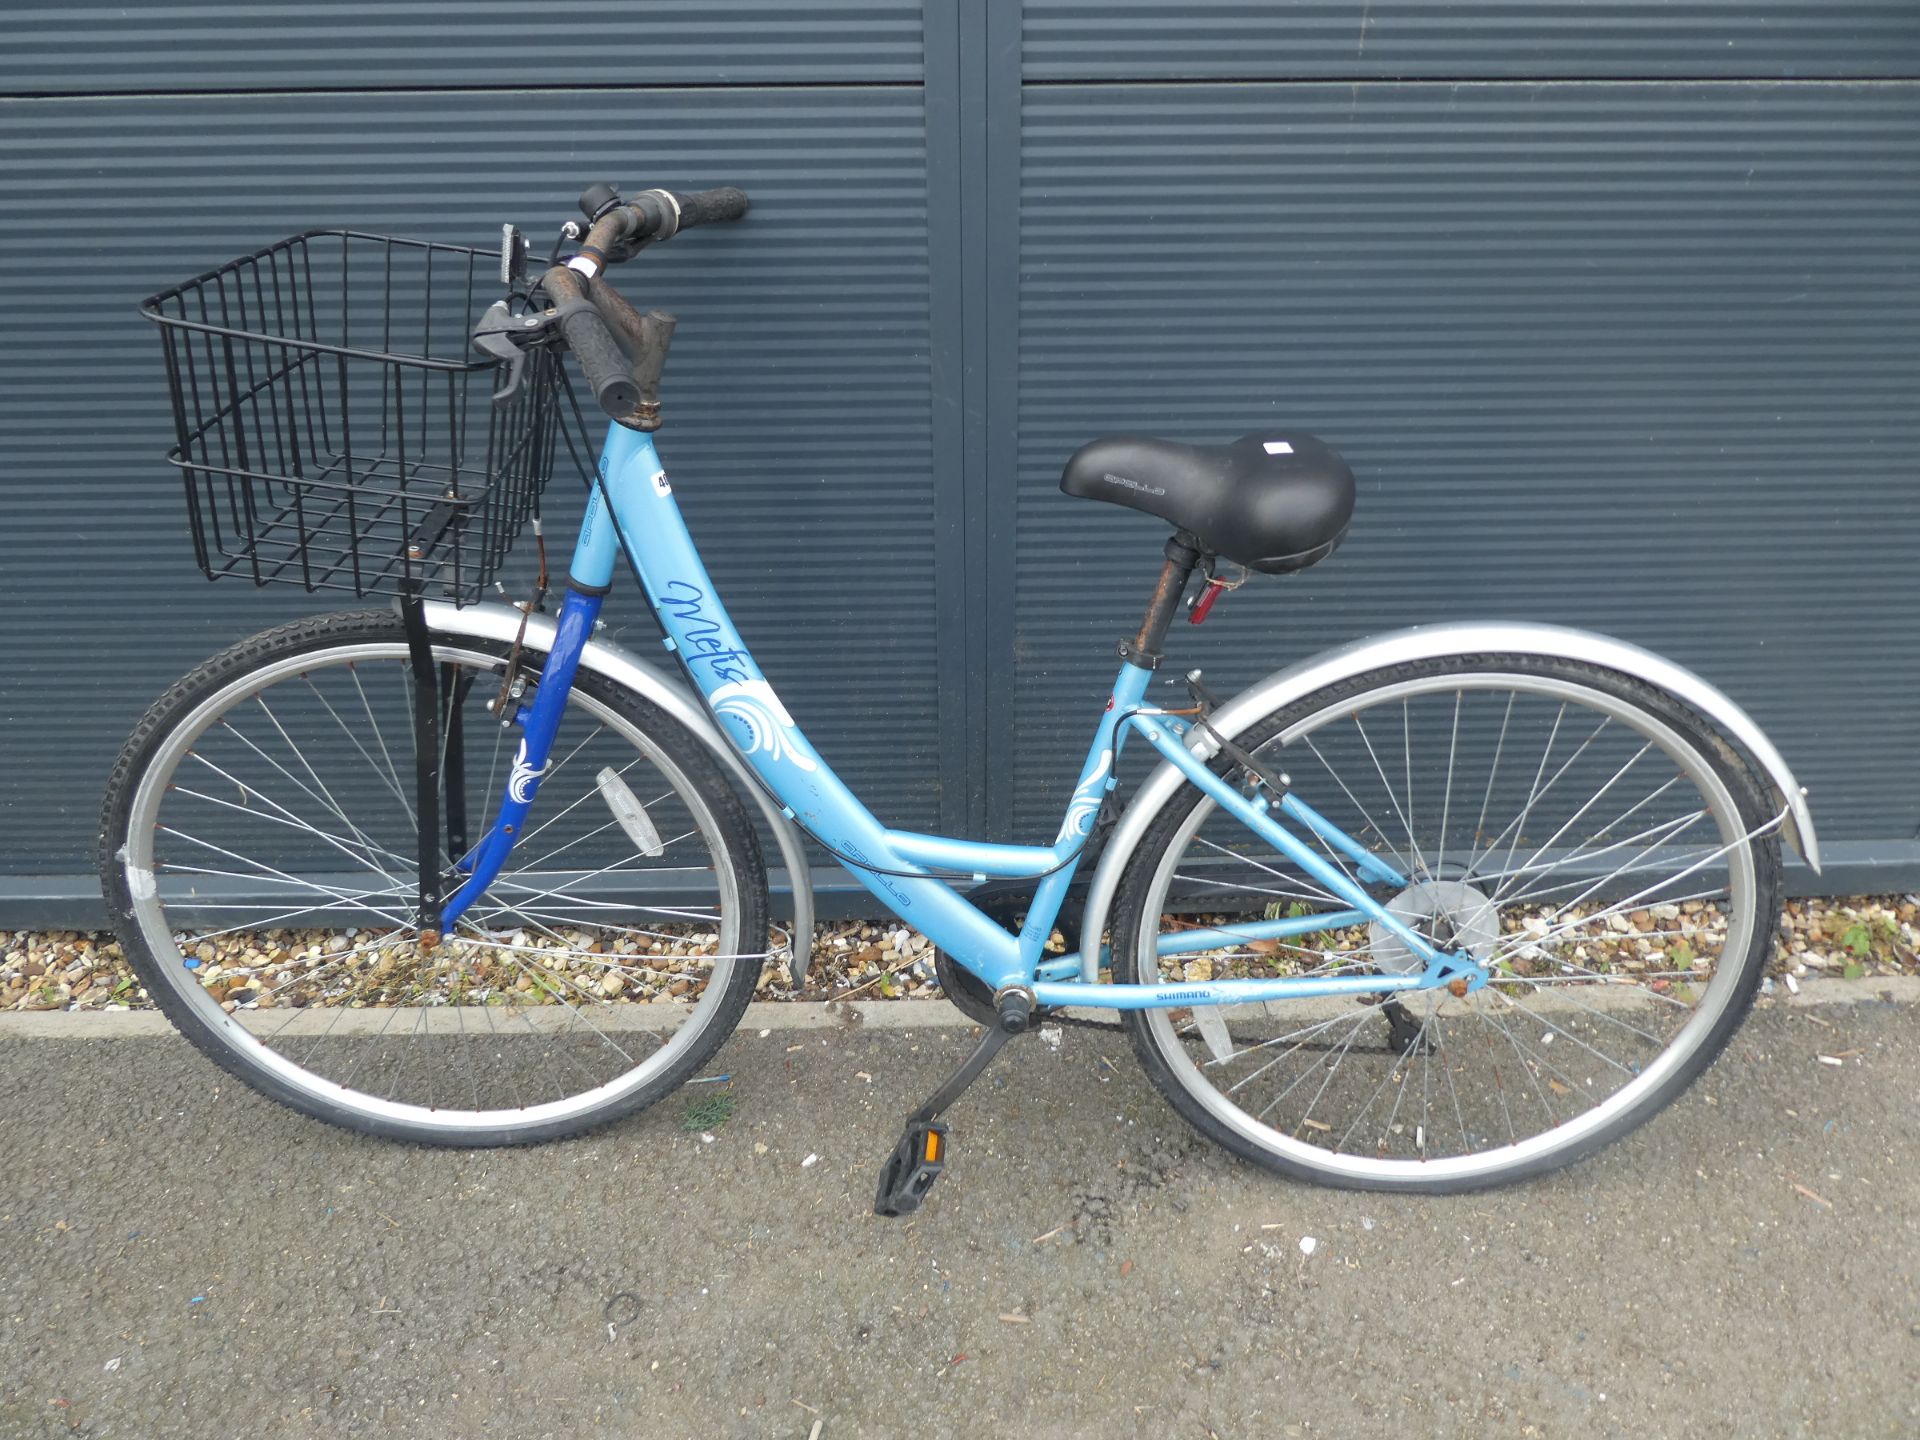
(426, 760)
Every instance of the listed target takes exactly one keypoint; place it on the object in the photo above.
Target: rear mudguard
(1429, 642)
(621, 666)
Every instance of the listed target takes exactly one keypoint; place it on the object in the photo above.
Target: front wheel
(258, 853)
(1590, 840)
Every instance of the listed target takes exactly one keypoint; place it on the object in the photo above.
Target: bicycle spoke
(343, 846)
(266, 873)
(1401, 861)
(1652, 839)
(332, 807)
(1446, 1073)
(1574, 818)
(1493, 770)
(1581, 852)
(380, 739)
(536, 862)
(1446, 799)
(354, 740)
(1387, 1079)
(1387, 785)
(1315, 891)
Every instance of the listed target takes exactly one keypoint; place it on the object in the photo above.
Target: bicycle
(1442, 909)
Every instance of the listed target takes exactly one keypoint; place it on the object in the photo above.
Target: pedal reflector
(628, 810)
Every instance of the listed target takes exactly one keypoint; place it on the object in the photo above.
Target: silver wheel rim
(1722, 989)
(136, 858)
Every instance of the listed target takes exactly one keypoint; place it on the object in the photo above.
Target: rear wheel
(1589, 839)
(257, 853)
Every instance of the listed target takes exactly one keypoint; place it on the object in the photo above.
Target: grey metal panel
(1479, 39)
(797, 400)
(952, 262)
(309, 44)
(1639, 358)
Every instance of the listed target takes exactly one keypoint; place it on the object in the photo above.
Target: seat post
(1183, 554)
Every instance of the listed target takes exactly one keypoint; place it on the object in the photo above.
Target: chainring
(1007, 909)
(965, 989)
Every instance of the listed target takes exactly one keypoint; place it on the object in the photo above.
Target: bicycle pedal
(910, 1171)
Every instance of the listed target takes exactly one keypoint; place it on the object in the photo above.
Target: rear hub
(1458, 920)
(1455, 918)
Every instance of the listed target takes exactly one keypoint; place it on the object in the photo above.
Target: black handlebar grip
(586, 333)
(711, 207)
(661, 214)
(603, 360)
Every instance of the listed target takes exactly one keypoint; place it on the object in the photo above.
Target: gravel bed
(1854, 937)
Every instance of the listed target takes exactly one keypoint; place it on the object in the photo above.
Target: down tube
(699, 630)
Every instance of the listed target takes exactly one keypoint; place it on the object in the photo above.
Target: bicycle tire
(203, 696)
(1303, 1154)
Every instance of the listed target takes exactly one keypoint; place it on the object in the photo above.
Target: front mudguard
(1432, 642)
(501, 623)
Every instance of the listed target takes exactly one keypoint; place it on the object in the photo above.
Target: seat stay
(1438, 968)
(1256, 814)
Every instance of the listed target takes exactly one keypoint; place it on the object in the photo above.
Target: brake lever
(495, 334)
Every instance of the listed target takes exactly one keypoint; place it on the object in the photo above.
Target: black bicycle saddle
(1273, 501)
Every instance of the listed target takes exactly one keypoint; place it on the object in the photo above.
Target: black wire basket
(335, 428)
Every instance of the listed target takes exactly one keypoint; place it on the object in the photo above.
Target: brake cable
(512, 687)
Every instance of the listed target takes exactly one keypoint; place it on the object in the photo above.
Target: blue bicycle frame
(632, 509)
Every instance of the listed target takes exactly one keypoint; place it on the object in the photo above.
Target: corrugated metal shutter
(1467, 39)
(797, 398)
(1641, 357)
(254, 45)
(1612, 306)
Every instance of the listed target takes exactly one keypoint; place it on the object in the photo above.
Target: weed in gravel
(709, 1112)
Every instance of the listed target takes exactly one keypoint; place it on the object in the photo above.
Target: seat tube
(1097, 777)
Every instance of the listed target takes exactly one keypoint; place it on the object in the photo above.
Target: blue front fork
(540, 723)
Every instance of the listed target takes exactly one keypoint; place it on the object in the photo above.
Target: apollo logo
(1113, 479)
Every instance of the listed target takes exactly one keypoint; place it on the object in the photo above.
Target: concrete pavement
(178, 1257)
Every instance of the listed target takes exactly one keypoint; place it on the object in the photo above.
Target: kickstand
(920, 1156)
(1403, 1031)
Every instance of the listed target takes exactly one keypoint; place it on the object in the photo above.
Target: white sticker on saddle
(1277, 447)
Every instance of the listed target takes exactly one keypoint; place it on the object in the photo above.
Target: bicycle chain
(1057, 1017)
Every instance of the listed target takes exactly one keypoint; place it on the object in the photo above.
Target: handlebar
(671, 213)
(618, 230)
(625, 381)
(609, 372)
